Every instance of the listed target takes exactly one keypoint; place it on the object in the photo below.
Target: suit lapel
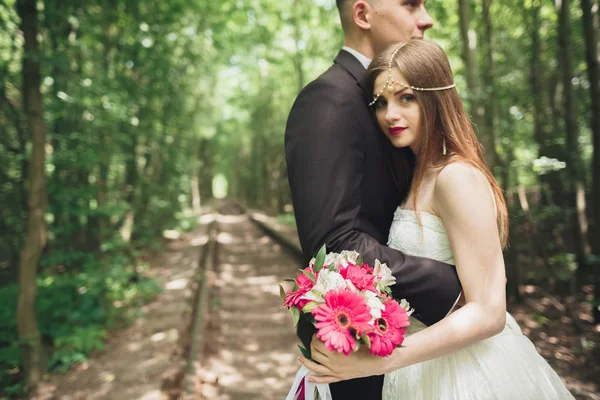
(352, 65)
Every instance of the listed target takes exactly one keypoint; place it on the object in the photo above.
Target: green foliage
(73, 312)
(286, 219)
(565, 264)
(74, 347)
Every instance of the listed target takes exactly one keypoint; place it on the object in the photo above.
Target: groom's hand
(331, 366)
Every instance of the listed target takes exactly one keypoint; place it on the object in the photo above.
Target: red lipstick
(396, 130)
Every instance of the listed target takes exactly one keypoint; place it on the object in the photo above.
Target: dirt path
(251, 350)
(135, 359)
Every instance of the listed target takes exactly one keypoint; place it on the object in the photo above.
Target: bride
(455, 213)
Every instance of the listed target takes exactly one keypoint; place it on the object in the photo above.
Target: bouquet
(350, 305)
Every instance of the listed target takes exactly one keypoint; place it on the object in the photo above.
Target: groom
(344, 186)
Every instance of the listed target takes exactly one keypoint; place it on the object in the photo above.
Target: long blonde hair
(425, 65)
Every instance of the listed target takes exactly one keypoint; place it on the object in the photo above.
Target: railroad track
(240, 343)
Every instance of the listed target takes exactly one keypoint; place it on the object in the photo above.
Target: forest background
(120, 118)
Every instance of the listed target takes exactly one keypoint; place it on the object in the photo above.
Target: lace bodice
(429, 240)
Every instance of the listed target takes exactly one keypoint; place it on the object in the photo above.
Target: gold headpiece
(391, 82)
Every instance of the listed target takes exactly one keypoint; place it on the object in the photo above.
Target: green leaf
(308, 307)
(311, 318)
(296, 315)
(320, 260)
(289, 280)
(282, 293)
(366, 341)
(359, 261)
(305, 352)
(310, 275)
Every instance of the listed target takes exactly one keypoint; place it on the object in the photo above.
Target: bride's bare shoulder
(460, 183)
(459, 172)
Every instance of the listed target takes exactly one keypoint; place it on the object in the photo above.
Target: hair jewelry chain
(391, 82)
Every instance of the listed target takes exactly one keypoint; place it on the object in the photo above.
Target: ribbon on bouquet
(309, 387)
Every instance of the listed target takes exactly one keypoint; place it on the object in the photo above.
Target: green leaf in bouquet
(310, 275)
(311, 318)
(359, 261)
(366, 341)
(296, 315)
(308, 307)
(320, 260)
(282, 293)
(289, 280)
(305, 353)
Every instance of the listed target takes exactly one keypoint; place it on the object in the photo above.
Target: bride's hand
(331, 366)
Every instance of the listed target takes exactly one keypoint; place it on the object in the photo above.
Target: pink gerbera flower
(359, 277)
(344, 314)
(367, 268)
(294, 298)
(389, 330)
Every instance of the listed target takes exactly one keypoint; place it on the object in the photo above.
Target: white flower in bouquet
(326, 281)
(348, 257)
(374, 304)
(332, 259)
(383, 275)
(406, 306)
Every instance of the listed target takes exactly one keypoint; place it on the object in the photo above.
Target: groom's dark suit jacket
(345, 190)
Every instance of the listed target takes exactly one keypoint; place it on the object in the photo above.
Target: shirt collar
(365, 61)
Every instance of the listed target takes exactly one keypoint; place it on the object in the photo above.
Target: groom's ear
(361, 14)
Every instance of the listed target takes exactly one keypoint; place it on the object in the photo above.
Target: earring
(444, 146)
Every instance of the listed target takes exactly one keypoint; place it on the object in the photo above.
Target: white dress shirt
(364, 60)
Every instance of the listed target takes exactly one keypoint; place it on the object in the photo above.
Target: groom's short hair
(345, 10)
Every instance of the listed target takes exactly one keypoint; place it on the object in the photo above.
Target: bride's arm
(462, 197)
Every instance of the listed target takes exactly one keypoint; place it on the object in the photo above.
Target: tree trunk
(29, 336)
(205, 172)
(490, 98)
(574, 162)
(298, 58)
(97, 221)
(513, 269)
(195, 194)
(537, 77)
(590, 34)
(469, 56)
(62, 124)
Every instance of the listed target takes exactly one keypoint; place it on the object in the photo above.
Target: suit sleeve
(325, 159)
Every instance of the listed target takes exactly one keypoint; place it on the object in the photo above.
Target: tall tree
(469, 56)
(590, 33)
(299, 43)
(575, 163)
(489, 85)
(29, 336)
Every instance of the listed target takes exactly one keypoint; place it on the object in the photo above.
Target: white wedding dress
(503, 367)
